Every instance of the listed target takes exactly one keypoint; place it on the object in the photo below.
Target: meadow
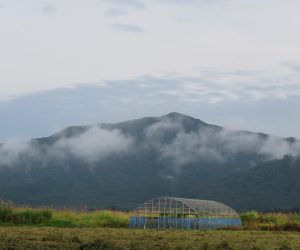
(32, 237)
(45, 228)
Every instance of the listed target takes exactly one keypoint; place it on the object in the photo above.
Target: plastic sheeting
(184, 223)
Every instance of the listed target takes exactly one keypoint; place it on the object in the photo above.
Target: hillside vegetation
(172, 155)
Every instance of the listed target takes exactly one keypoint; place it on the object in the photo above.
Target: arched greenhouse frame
(172, 212)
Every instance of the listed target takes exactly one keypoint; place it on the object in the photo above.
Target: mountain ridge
(157, 118)
(121, 164)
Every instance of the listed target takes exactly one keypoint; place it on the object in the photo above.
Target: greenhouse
(171, 212)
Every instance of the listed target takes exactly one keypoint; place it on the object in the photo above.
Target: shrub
(110, 219)
(31, 217)
(249, 217)
(5, 212)
(268, 218)
(8, 214)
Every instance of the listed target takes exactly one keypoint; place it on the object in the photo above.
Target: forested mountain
(120, 165)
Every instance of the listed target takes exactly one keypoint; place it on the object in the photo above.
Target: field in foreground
(28, 237)
(11, 215)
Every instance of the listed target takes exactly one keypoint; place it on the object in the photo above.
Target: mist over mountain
(120, 165)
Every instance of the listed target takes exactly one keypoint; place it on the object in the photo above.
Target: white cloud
(266, 104)
(13, 151)
(294, 66)
(276, 148)
(94, 144)
(220, 55)
(192, 2)
(48, 9)
(220, 36)
(116, 12)
(213, 145)
(139, 4)
(90, 146)
(132, 28)
(168, 137)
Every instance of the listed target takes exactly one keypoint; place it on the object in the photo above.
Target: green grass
(29, 237)
(271, 221)
(23, 216)
(44, 228)
(103, 218)
(12, 215)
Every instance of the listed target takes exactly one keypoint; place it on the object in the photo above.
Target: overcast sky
(235, 63)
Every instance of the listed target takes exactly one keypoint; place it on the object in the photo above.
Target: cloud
(213, 145)
(48, 9)
(131, 28)
(123, 7)
(277, 148)
(116, 12)
(170, 138)
(293, 66)
(94, 144)
(240, 99)
(191, 147)
(138, 4)
(14, 150)
(90, 146)
(193, 2)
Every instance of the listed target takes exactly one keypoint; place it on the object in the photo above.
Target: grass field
(28, 237)
(11, 215)
(44, 228)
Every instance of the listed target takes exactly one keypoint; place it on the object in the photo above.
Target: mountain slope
(122, 164)
(269, 186)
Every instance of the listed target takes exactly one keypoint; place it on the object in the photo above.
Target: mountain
(120, 165)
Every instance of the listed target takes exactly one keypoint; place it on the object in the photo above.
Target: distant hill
(120, 165)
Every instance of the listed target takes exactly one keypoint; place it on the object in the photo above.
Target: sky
(235, 63)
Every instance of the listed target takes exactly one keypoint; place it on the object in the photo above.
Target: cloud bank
(94, 144)
(173, 140)
(214, 144)
(240, 99)
(90, 146)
